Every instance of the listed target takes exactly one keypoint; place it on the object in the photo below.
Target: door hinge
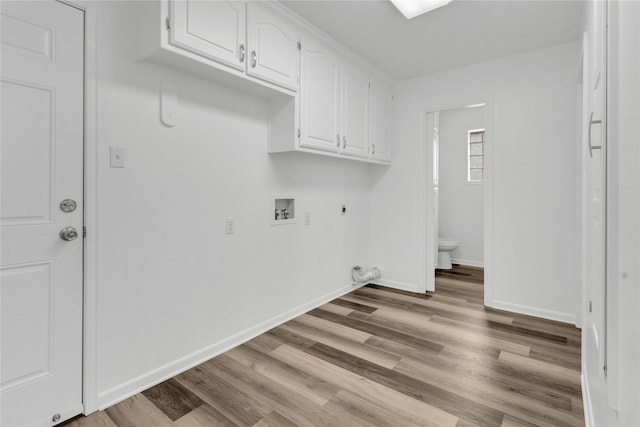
(84, 232)
(298, 132)
(590, 307)
(299, 46)
(604, 368)
(168, 23)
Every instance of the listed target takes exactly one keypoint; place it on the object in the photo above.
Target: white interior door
(596, 235)
(596, 190)
(42, 165)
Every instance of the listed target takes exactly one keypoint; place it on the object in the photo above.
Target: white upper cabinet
(380, 119)
(213, 29)
(246, 45)
(319, 97)
(343, 112)
(273, 48)
(355, 111)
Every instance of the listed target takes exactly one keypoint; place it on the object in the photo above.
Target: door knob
(68, 234)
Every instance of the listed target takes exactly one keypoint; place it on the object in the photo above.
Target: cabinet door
(212, 29)
(355, 111)
(380, 116)
(319, 97)
(273, 48)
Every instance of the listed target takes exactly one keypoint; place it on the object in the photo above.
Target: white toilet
(445, 247)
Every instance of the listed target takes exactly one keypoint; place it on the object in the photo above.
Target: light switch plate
(116, 156)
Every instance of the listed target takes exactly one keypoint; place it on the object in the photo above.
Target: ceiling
(461, 33)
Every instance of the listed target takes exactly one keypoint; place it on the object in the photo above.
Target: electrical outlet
(230, 225)
(307, 218)
(343, 209)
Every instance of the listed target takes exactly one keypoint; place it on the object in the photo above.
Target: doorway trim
(426, 193)
(90, 320)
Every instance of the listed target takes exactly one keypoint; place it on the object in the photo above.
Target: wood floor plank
(234, 404)
(355, 306)
(444, 334)
(492, 391)
(275, 419)
(566, 378)
(364, 351)
(301, 411)
(97, 419)
(400, 404)
(137, 411)
(380, 331)
(337, 309)
(296, 380)
(264, 343)
(468, 411)
(396, 291)
(334, 328)
(173, 399)
(511, 421)
(356, 411)
(204, 416)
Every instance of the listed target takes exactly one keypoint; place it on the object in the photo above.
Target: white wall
(535, 185)
(461, 203)
(172, 287)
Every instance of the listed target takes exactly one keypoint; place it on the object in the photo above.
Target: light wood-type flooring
(380, 357)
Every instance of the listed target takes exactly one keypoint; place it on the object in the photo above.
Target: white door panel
(381, 105)
(273, 45)
(42, 164)
(320, 97)
(213, 29)
(355, 111)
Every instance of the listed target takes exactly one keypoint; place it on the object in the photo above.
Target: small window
(476, 156)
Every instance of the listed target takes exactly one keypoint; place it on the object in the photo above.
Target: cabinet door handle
(241, 53)
(592, 147)
(338, 140)
(254, 59)
(373, 149)
(344, 142)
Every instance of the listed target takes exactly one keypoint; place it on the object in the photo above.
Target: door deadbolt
(68, 234)
(68, 205)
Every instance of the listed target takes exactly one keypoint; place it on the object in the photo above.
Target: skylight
(412, 8)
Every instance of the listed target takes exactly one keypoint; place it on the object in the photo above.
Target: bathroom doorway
(458, 186)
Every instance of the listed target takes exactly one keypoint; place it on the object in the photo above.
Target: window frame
(482, 156)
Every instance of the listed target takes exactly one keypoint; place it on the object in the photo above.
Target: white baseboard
(123, 391)
(586, 400)
(397, 285)
(534, 311)
(468, 262)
